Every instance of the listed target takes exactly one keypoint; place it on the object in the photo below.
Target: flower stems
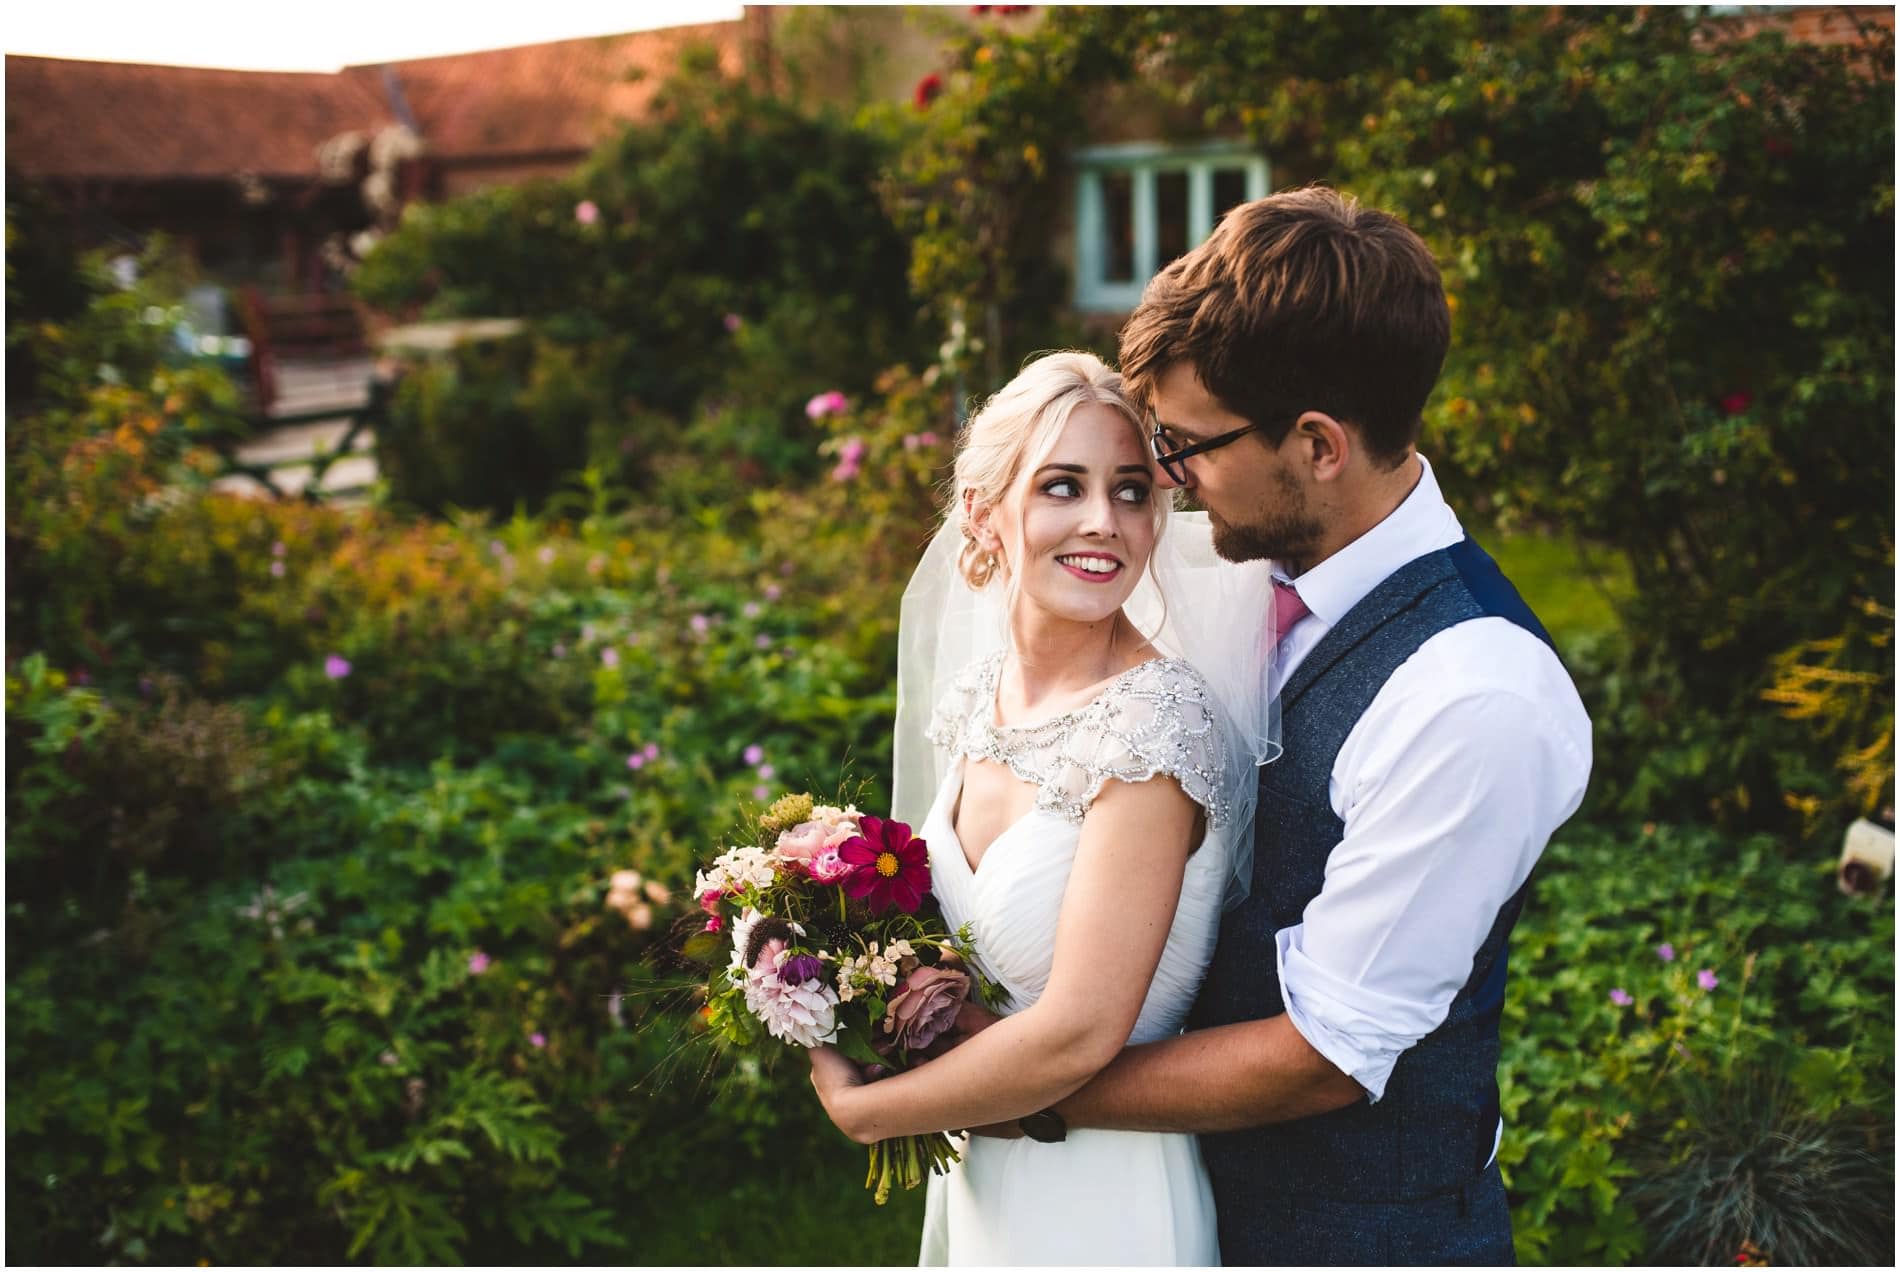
(905, 1160)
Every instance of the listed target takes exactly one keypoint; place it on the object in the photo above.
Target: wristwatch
(1046, 1127)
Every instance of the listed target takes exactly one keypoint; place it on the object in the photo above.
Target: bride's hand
(838, 1082)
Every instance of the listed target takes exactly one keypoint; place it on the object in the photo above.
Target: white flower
(901, 949)
(741, 937)
(800, 1013)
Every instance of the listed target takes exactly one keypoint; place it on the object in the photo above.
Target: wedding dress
(1099, 1197)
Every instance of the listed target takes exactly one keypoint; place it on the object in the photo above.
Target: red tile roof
(128, 120)
(563, 96)
(77, 119)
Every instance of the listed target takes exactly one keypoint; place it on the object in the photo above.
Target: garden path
(305, 388)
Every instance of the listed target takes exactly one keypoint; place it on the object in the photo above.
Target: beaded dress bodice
(1154, 719)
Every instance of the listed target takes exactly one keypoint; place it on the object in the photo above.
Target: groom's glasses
(1172, 456)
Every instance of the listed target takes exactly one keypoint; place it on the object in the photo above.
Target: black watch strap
(1046, 1127)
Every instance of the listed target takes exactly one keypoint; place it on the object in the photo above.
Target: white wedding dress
(1099, 1197)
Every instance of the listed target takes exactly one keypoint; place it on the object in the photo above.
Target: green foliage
(1603, 1134)
(728, 253)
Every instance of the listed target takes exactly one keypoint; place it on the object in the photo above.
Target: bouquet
(834, 939)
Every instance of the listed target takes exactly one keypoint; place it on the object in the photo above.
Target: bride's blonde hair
(1011, 434)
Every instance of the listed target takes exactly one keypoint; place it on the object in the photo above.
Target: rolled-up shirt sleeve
(1448, 798)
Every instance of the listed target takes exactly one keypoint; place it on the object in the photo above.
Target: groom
(1341, 1061)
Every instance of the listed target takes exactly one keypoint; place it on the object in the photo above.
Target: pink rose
(803, 841)
(709, 901)
(926, 1007)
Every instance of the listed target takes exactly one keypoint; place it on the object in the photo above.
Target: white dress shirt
(1449, 785)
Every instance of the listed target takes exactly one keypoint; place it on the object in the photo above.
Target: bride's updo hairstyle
(1011, 434)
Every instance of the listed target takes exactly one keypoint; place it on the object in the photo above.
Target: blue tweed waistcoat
(1402, 1180)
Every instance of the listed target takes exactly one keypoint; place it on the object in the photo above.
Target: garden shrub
(1653, 963)
(728, 254)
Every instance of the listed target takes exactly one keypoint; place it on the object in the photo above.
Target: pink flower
(636, 761)
(336, 666)
(277, 569)
(497, 548)
(845, 471)
(928, 438)
(750, 609)
(926, 1007)
(715, 923)
(709, 902)
(831, 403)
(546, 555)
(559, 650)
(761, 641)
(610, 657)
(1666, 952)
(852, 451)
(537, 1039)
(733, 323)
(773, 591)
(278, 549)
(478, 963)
(761, 792)
(587, 212)
(766, 772)
(699, 624)
(754, 753)
(651, 750)
(827, 866)
(802, 842)
(766, 960)
(1621, 997)
(1737, 402)
(1707, 978)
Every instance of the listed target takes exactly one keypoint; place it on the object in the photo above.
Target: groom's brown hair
(1301, 301)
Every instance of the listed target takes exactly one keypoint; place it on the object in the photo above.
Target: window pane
(1230, 188)
(1171, 216)
(1118, 227)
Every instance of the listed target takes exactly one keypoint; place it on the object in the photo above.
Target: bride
(1090, 792)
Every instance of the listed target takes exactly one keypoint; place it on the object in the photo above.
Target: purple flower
(537, 1039)
(651, 750)
(754, 753)
(800, 968)
(766, 772)
(497, 547)
(278, 549)
(751, 609)
(636, 761)
(277, 569)
(336, 666)
(773, 591)
(1621, 998)
(733, 323)
(478, 963)
(610, 657)
(1666, 952)
(761, 792)
(700, 623)
(1707, 978)
(762, 641)
(586, 212)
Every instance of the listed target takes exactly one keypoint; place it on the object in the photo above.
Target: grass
(1575, 591)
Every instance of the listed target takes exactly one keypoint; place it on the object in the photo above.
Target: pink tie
(1288, 609)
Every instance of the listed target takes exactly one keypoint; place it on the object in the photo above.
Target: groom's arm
(1225, 1079)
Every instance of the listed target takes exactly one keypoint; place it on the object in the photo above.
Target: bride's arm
(1116, 912)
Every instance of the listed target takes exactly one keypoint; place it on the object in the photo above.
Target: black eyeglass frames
(1171, 457)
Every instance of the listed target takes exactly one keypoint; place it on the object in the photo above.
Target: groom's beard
(1285, 530)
